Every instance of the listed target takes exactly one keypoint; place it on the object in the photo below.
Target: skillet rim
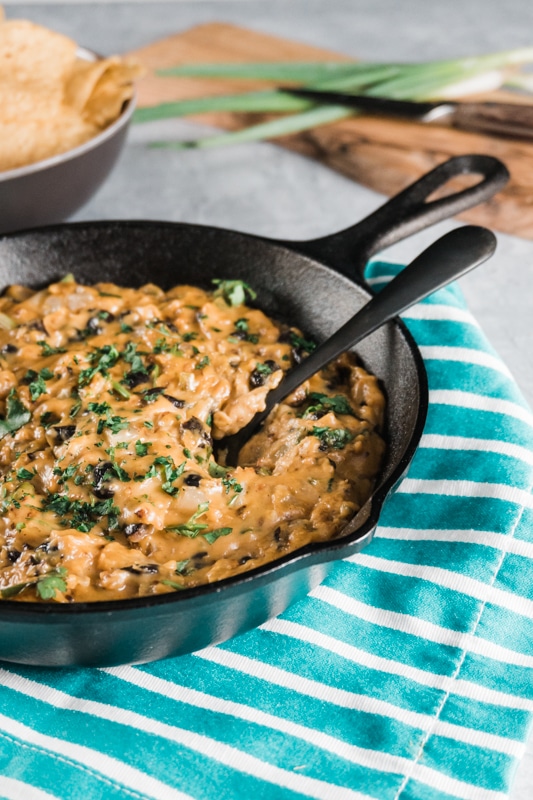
(312, 553)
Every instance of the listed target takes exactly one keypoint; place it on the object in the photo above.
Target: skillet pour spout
(315, 286)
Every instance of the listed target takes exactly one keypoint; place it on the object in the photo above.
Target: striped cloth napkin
(406, 675)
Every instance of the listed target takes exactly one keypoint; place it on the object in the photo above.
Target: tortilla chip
(52, 99)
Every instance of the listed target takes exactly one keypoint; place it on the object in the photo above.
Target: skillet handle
(408, 212)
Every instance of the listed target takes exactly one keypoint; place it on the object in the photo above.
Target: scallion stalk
(411, 81)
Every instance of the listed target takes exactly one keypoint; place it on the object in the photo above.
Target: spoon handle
(450, 257)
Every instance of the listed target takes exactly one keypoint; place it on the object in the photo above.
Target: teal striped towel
(406, 675)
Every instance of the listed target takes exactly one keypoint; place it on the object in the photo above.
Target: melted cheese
(111, 399)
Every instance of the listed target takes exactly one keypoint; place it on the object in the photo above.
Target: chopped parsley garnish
(80, 515)
(17, 415)
(164, 467)
(322, 403)
(65, 474)
(202, 363)
(131, 356)
(114, 423)
(36, 381)
(47, 350)
(212, 536)
(332, 438)
(105, 358)
(235, 292)
(125, 328)
(121, 474)
(265, 369)
(241, 333)
(189, 336)
(47, 585)
(151, 395)
(99, 408)
(191, 528)
(299, 343)
(261, 372)
(162, 346)
(231, 484)
(141, 448)
(24, 474)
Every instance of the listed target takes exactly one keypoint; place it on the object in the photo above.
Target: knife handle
(502, 119)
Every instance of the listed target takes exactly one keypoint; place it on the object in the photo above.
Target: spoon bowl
(450, 257)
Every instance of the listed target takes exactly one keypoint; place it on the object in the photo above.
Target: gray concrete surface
(262, 189)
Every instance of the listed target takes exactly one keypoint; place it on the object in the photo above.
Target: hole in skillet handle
(410, 211)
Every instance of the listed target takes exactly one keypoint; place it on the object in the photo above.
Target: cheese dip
(110, 399)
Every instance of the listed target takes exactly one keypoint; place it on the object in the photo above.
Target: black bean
(151, 394)
(139, 569)
(135, 527)
(192, 479)
(94, 327)
(193, 424)
(103, 472)
(239, 334)
(100, 471)
(65, 432)
(37, 325)
(175, 401)
(257, 379)
(13, 555)
(244, 559)
(103, 492)
(133, 379)
(9, 348)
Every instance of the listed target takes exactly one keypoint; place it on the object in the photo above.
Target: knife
(502, 119)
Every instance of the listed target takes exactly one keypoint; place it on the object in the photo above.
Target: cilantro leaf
(141, 448)
(47, 350)
(215, 534)
(234, 292)
(332, 438)
(53, 582)
(322, 403)
(191, 528)
(17, 415)
(24, 474)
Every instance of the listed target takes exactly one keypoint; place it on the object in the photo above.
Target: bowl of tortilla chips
(64, 114)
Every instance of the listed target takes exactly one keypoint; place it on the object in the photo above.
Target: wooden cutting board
(384, 155)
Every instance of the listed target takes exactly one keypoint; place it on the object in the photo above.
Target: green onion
(267, 130)
(423, 81)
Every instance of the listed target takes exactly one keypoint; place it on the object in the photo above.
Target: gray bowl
(52, 190)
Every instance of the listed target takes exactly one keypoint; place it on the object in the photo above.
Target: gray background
(259, 188)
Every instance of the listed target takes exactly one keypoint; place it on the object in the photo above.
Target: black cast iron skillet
(293, 284)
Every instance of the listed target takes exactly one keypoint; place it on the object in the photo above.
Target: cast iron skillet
(293, 284)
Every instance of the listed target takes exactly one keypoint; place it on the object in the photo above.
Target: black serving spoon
(450, 257)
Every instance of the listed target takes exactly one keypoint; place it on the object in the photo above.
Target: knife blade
(502, 119)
